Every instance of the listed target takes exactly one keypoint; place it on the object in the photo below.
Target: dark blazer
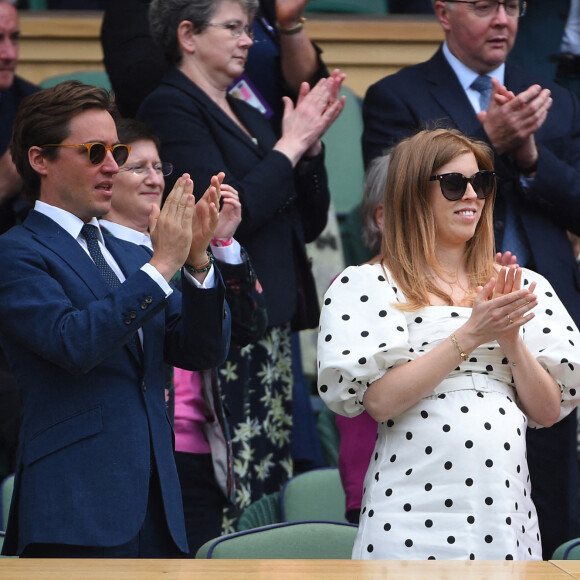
(94, 419)
(429, 92)
(282, 207)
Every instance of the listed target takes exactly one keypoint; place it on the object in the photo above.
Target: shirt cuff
(154, 274)
(209, 281)
(231, 254)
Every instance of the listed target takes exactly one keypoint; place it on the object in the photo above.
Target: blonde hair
(409, 234)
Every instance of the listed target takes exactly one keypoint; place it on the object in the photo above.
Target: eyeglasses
(98, 151)
(454, 185)
(162, 168)
(235, 28)
(486, 8)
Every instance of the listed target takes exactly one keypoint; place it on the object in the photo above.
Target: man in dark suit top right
(533, 127)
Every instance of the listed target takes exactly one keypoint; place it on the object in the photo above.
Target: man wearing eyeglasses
(534, 129)
(87, 324)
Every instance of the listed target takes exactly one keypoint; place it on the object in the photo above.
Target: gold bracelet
(294, 29)
(462, 354)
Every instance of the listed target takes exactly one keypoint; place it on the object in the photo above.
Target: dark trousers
(153, 540)
(553, 464)
(203, 500)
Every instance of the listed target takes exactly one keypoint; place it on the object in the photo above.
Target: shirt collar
(465, 75)
(127, 234)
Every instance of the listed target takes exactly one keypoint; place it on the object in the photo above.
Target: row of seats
(307, 522)
(340, 6)
(304, 520)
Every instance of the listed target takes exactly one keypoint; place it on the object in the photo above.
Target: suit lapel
(449, 94)
(56, 239)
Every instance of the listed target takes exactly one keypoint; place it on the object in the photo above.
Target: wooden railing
(365, 48)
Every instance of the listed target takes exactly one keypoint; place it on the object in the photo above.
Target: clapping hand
(316, 109)
(205, 221)
(231, 213)
(170, 228)
(502, 306)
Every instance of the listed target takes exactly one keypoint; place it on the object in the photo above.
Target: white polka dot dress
(448, 478)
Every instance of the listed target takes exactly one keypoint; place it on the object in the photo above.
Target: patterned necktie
(89, 232)
(482, 84)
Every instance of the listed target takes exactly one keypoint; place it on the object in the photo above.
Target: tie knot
(481, 83)
(89, 231)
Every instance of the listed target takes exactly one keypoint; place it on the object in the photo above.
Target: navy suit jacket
(94, 419)
(282, 207)
(429, 93)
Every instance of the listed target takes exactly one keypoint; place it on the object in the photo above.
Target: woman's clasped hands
(501, 307)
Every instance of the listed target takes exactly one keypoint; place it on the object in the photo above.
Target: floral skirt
(256, 382)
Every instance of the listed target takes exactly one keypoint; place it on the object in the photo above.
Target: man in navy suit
(535, 134)
(86, 325)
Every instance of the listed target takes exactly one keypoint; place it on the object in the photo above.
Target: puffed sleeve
(361, 336)
(554, 340)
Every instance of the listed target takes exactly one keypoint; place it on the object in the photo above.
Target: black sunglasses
(453, 185)
(98, 151)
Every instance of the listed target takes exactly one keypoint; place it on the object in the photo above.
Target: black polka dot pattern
(449, 478)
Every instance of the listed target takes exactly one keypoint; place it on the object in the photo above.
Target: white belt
(475, 382)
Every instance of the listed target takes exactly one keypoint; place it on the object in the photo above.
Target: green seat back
(98, 78)
(6, 491)
(262, 512)
(328, 435)
(296, 540)
(344, 161)
(348, 6)
(568, 550)
(314, 495)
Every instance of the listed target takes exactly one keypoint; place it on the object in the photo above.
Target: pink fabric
(357, 441)
(190, 413)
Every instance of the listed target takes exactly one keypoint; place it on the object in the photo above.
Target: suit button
(148, 299)
(144, 386)
(144, 305)
(132, 314)
(128, 320)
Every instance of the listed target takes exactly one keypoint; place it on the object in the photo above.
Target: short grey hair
(375, 181)
(166, 15)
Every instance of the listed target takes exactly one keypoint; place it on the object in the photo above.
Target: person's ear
(186, 37)
(37, 160)
(442, 12)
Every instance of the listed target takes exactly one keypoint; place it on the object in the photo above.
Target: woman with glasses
(201, 436)
(454, 356)
(284, 198)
